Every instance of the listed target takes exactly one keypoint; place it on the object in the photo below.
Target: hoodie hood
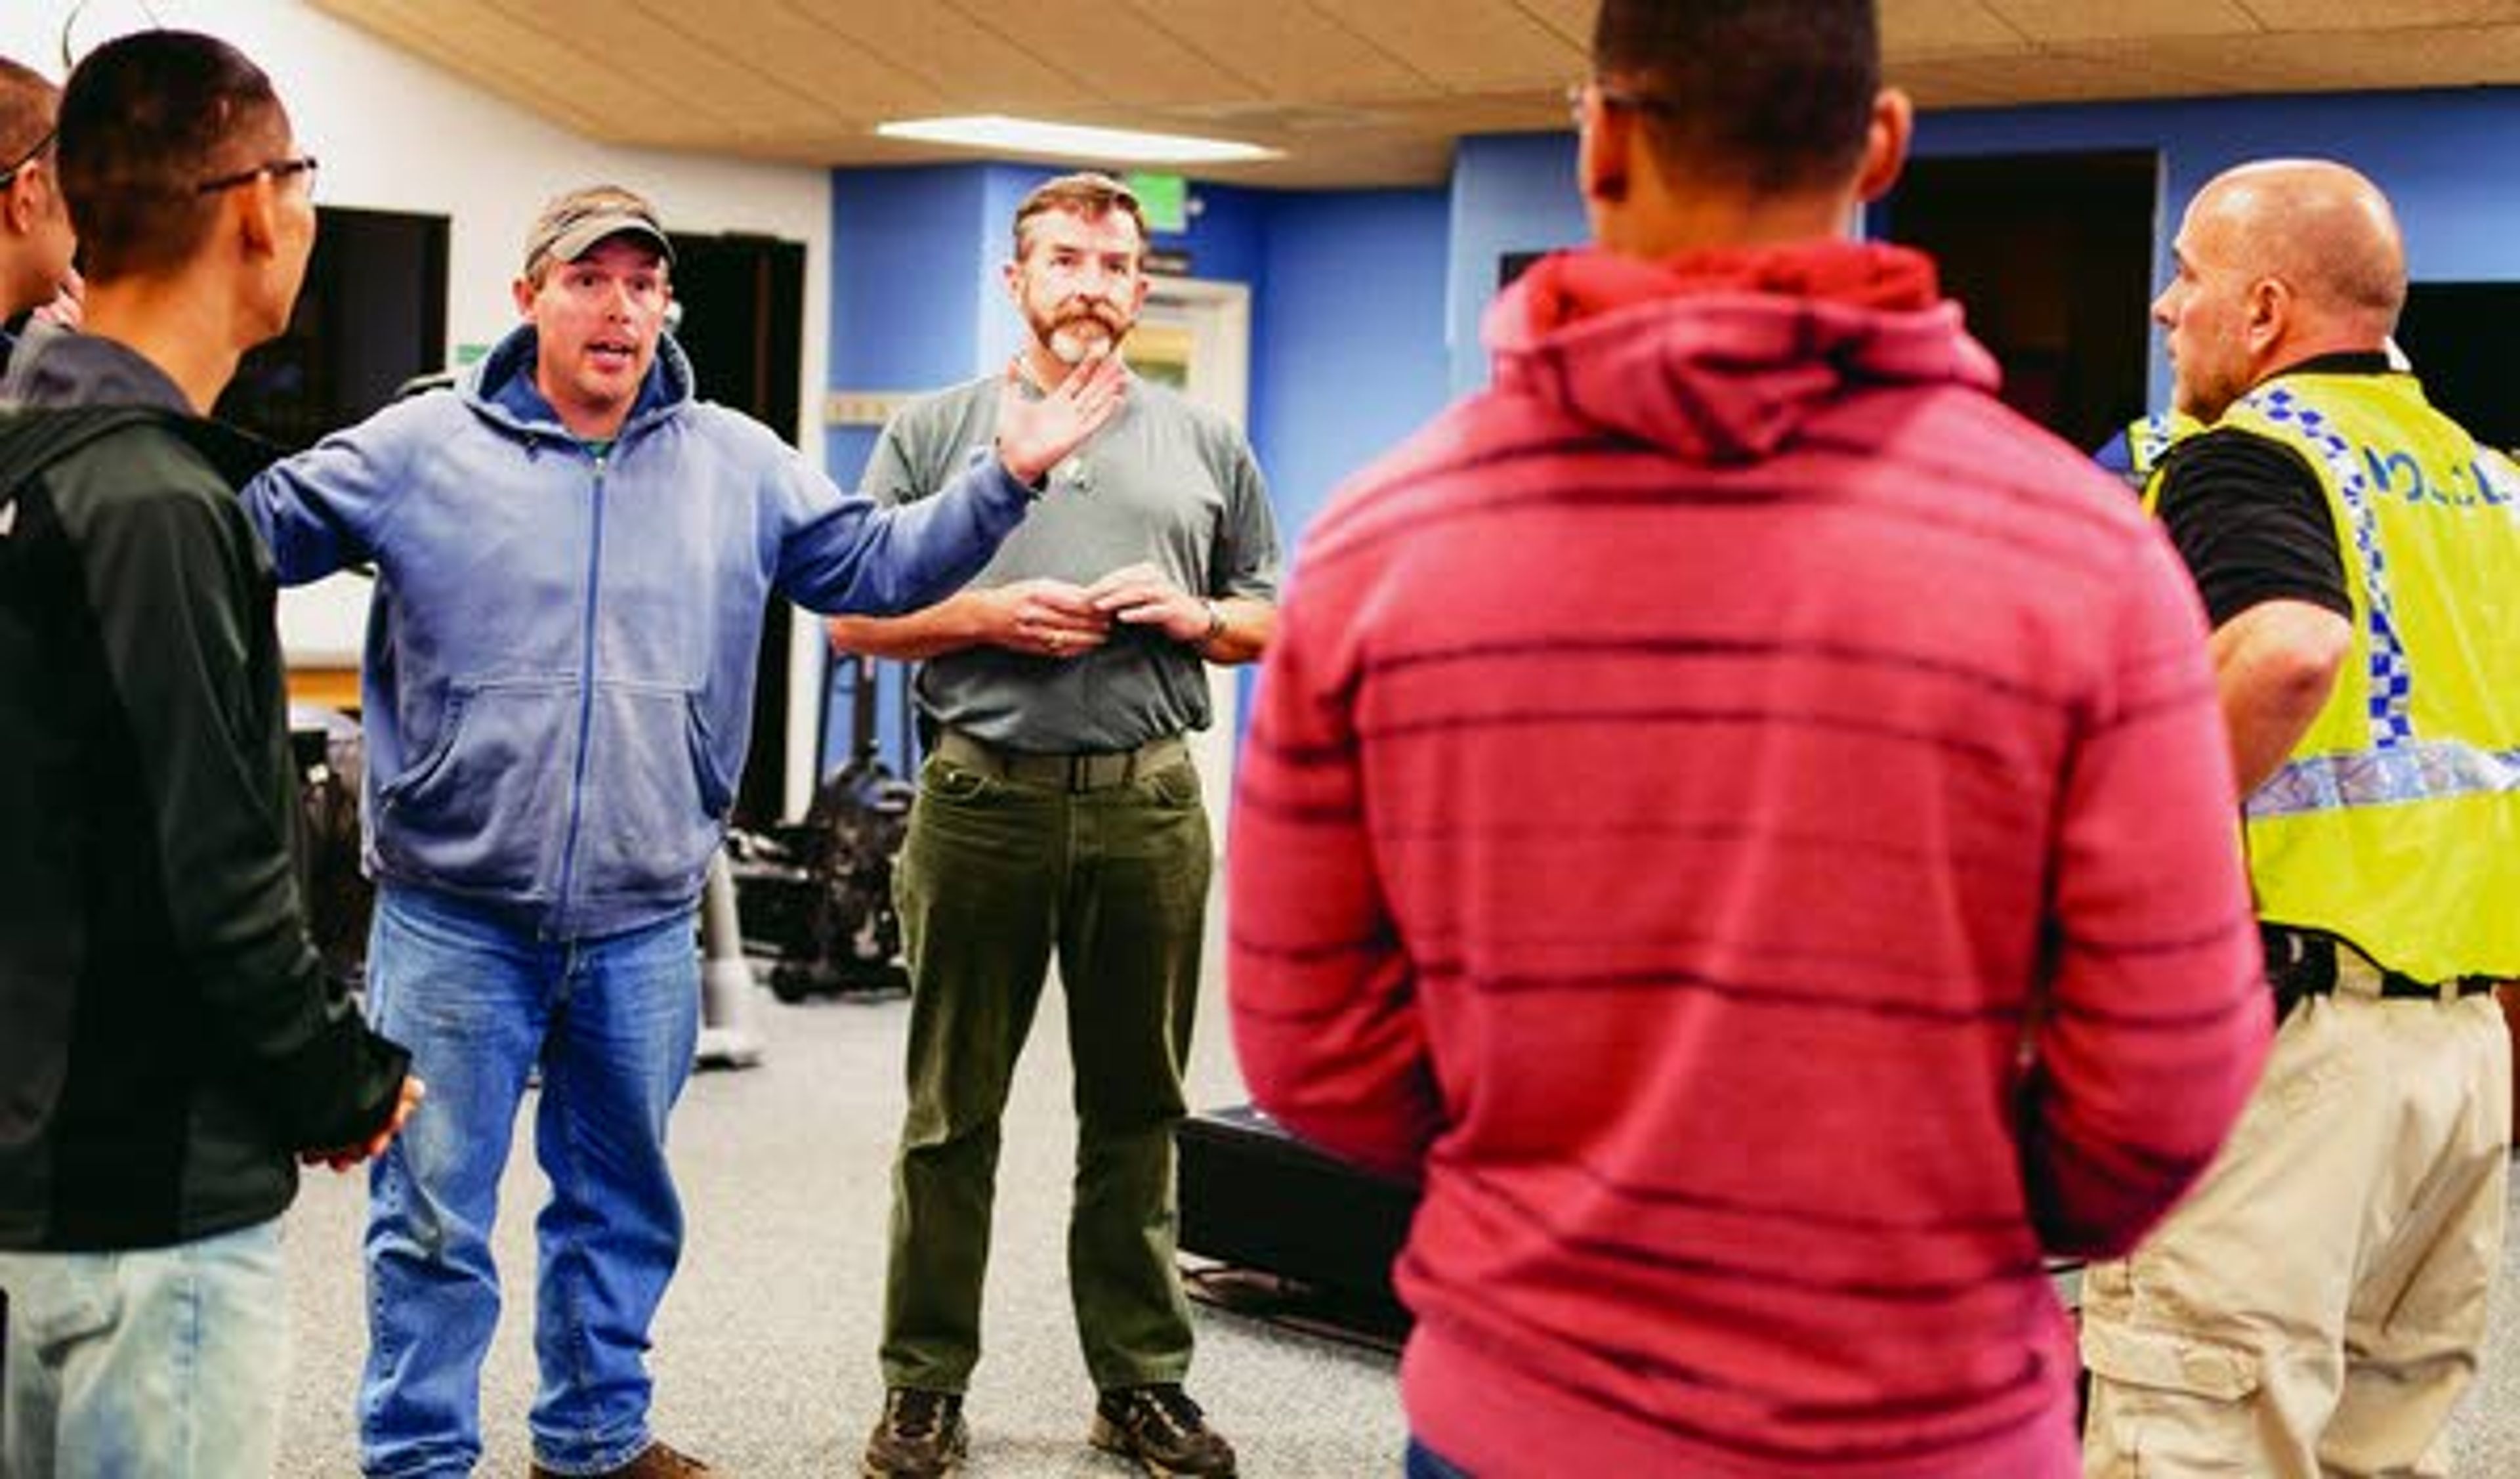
(1725, 356)
(501, 387)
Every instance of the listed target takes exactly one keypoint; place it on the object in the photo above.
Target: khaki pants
(2317, 1304)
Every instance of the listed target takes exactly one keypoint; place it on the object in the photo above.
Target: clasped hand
(1060, 618)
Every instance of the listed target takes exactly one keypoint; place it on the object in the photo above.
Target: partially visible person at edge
(2320, 1305)
(1060, 815)
(168, 1036)
(36, 242)
(2135, 453)
(1740, 815)
(573, 555)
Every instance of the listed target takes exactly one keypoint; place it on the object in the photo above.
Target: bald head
(2279, 262)
(2323, 229)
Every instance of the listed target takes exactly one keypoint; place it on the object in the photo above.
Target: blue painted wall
(1510, 193)
(907, 259)
(1351, 356)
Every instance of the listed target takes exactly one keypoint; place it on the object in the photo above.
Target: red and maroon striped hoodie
(1745, 817)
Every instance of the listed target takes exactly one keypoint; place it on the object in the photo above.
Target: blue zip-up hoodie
(560, 649)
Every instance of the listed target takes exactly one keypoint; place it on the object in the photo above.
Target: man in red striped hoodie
(1744, 818)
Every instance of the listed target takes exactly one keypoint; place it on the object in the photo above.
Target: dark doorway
(2461, 337)
(743, 325)
(372, 316)
(2051, 258)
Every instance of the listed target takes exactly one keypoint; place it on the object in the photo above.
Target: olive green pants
(995, 875)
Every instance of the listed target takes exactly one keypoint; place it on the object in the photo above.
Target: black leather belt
(2302, 963)
(1085, 770)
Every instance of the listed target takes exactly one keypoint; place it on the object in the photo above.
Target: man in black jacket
(166, 1037)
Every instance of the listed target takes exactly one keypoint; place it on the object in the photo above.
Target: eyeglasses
(9, 176)
(1612, 99)
(278, 169)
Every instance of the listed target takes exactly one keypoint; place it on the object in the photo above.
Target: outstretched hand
(1035, 434)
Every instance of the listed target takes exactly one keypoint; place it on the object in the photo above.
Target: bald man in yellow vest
(2318, 1304)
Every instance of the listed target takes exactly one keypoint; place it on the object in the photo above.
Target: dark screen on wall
(372, 316)
(2462, 338)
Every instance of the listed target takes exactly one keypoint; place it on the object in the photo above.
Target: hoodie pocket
(654, 793)
(484, 809)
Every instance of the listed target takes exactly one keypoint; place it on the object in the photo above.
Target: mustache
(1099, 314)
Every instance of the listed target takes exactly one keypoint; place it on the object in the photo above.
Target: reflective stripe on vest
(2395, 824)
(2150, 439)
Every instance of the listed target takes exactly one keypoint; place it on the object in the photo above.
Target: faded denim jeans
(611, 1023)
(151, 1364)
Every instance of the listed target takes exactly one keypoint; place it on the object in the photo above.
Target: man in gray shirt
(1059, 811)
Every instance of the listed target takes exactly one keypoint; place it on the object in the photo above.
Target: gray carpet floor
(765, 1350)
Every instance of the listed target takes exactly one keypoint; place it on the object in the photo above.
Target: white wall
(395, 133)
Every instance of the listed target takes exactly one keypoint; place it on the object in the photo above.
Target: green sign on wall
(1165, 198)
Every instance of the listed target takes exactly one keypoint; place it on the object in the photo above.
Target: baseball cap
(573, 223)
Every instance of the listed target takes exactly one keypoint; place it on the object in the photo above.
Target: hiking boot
(921, 1436)
(658, 1461)
(1161, 1429)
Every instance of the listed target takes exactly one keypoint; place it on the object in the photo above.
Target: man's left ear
(1885, 144)
(2269, 304)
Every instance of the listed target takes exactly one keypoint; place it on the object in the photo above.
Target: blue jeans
(612, 1022)
(153, 1363)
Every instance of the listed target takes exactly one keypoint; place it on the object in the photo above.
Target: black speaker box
(1253, 1196)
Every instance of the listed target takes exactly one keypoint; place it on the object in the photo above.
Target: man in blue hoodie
(572, 556)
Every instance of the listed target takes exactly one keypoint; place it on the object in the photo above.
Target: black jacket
(167, 1037)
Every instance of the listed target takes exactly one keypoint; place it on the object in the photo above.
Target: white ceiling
(1356, 92)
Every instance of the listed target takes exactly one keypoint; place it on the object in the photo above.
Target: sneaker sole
(952, 1465)
(1106, 1435)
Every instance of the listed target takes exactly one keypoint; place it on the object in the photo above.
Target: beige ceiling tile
(2066, 20)
(1941, 27)
(485, 43)
(1571, 19)
(1111, 52)
(1468, 45)
(2462, 56)
(1389, 160)
(970, 67)
(2331, 60)
(1998, 81)
(1517, 110)
(1287, 49)
(793, 43)
(2363, 15)
(681, 61)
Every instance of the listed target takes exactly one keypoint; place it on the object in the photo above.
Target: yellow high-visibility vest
(2149, 439)
(2394, 823)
